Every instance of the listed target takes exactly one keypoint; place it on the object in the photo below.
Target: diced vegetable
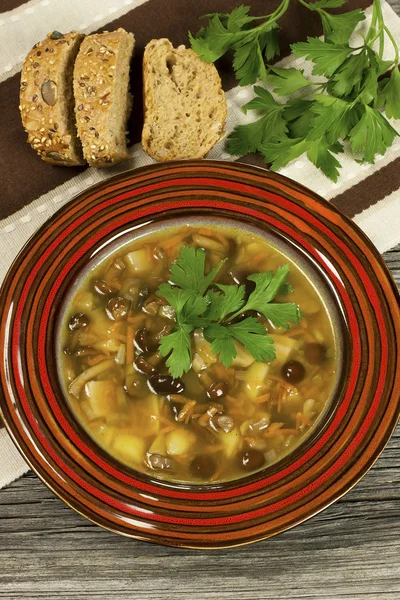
(152, 406)
(203, 348)
(138, 261)
(99, 322)
(256, 375)
(76, 386)
(179, 442)
(197, 363)
(309, 408)
(159, 446)
(284, 346)
(83, 302)
(208, 243)
(231, 442)
(130, 447)
(110, 345)
(102, 397)
(243, 357)
(309, 304)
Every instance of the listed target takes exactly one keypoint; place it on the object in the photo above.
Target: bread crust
(100, 69)
(45, 97)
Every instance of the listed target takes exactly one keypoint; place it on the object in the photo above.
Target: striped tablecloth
(31, 191)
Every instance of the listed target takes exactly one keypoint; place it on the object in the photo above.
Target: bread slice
(46, 99)
(102, 99)
(184, 105)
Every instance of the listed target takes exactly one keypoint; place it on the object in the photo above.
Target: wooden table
(351, 551)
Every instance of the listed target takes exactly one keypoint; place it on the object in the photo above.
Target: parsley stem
(379, 18)
(270, 19)
(305, 4)
(395, 46)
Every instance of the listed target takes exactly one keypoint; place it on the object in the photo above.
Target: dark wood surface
(350, 551)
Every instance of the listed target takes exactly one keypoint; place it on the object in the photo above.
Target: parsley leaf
(372, 134)
(188, 270)
(319, 151)
(334, 118)
(299, 116)
(252, 335)
(248, 61)
(177, 345)
(215, 301)
(269, 42)
(321, 155)
(250, 43)
(317, 123)
(279, 153)
(198, 306)
(338, 28)
(326, 4)
(389, 95)
(327, 57)
(248, 332)
(347, 75)
(222, 343)
(176, 297)
(267, 287)
(286, 81)
(249, 138)
(232, 300)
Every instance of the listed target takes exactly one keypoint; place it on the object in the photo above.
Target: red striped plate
(329, 463)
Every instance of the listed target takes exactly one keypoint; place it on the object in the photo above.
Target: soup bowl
(341, 447)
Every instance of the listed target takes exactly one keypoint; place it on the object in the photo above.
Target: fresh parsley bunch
(315, 117)
(199, 302)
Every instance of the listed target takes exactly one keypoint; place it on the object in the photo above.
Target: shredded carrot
(250, 440)
(308, 337)
(259, 257)
(171, 242)
(294, 332)
(204, 231)
(212, 449)
(136, 320)
(119, 336)
(277, 432)
(221, 238)
(130, 351)
(95, 360)
(222, 373)
(289, 387)
(166, 429)
(263, 398)
(236, 412)
(217, 474)
(232, 400)
(301, 418)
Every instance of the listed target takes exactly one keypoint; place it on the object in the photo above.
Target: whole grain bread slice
(102, 99)
(46, 99)
(184, 105)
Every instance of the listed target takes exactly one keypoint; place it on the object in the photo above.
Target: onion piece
(77, 384)
(121, 354)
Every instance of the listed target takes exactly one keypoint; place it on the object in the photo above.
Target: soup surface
(213, 423)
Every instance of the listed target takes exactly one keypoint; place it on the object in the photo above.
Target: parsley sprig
(342, 103)
(200, 302)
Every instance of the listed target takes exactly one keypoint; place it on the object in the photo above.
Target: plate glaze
(344, 446)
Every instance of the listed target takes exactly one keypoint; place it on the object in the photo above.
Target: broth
(214, 423)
